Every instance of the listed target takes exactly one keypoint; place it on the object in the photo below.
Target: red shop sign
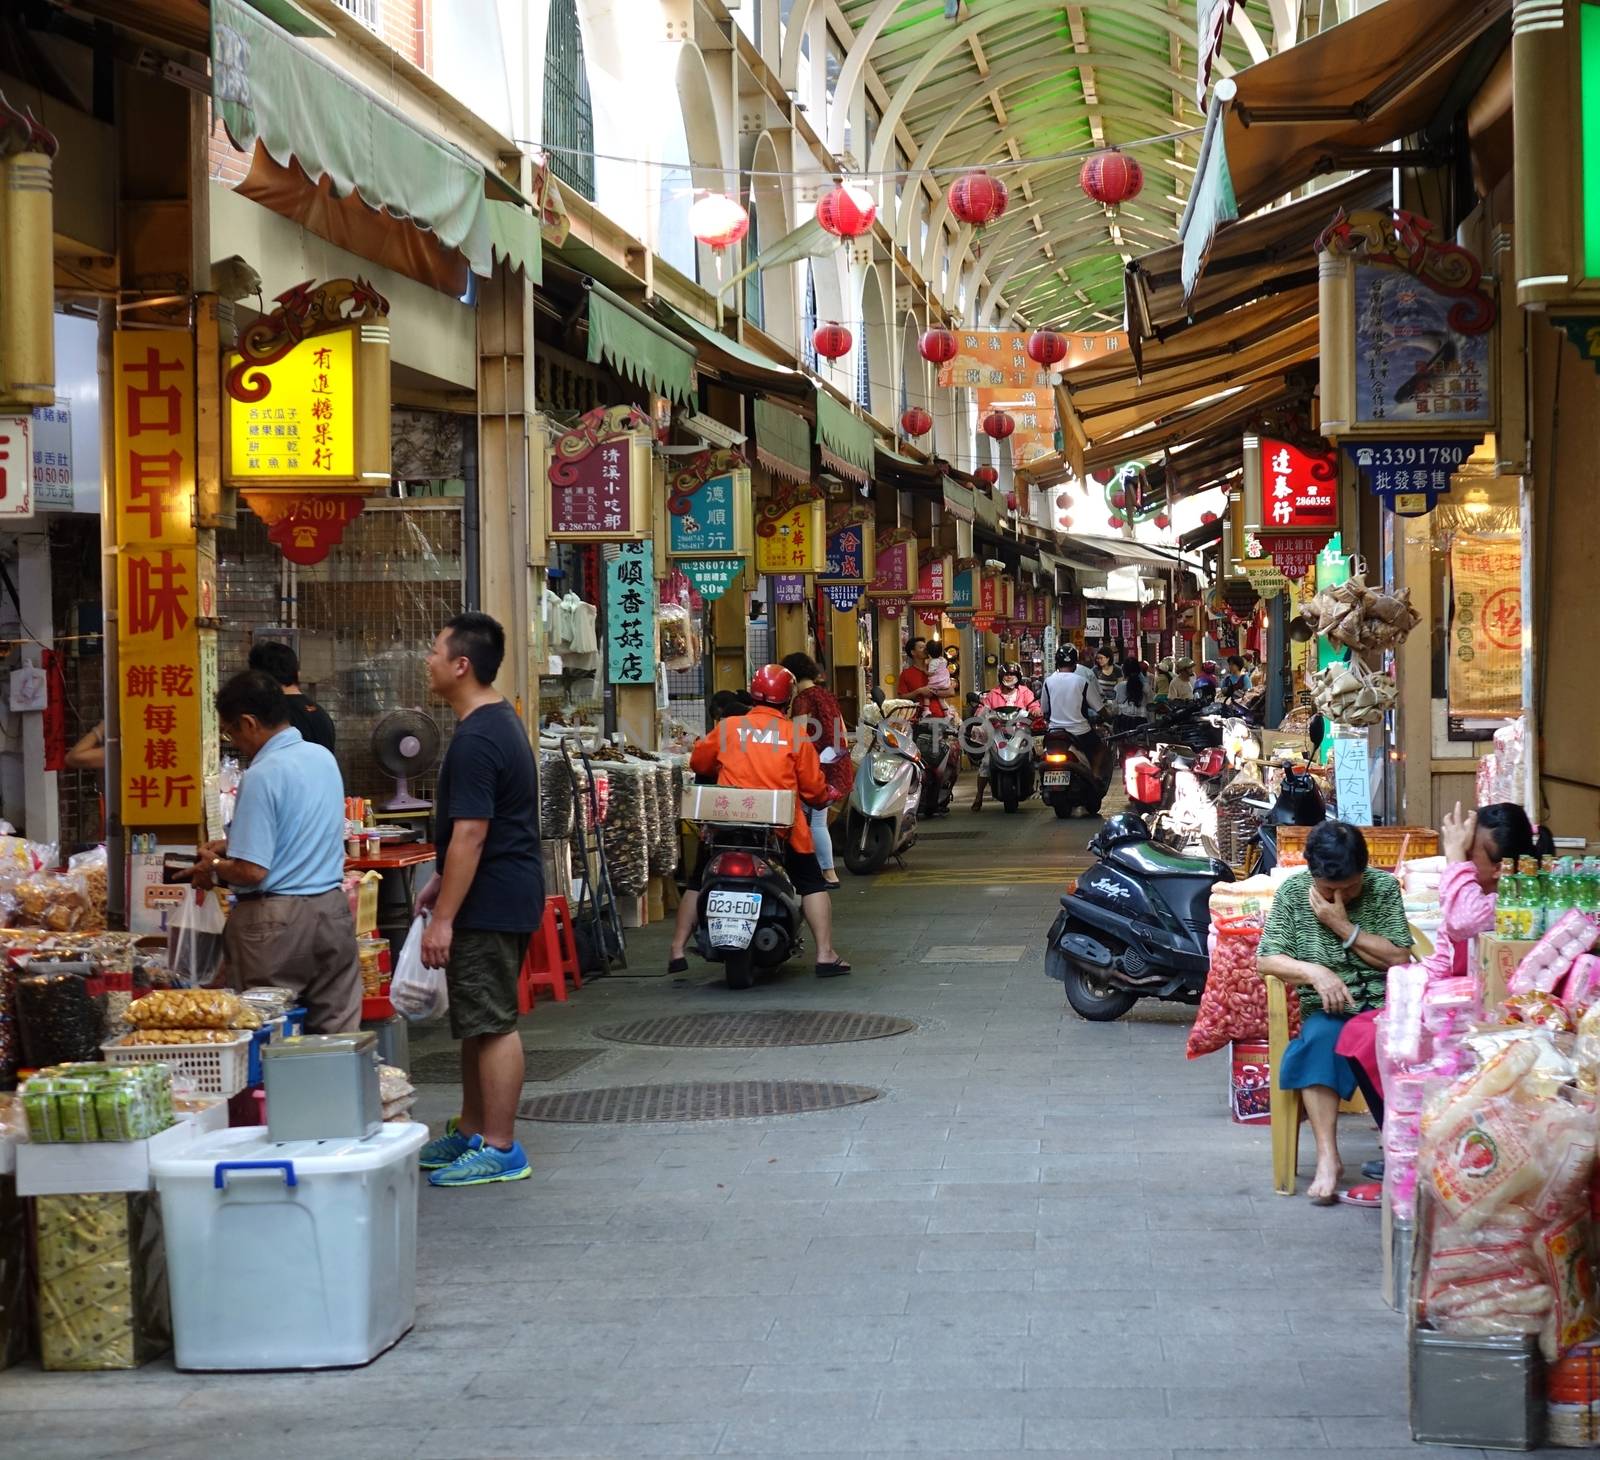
(1299, 489)
(1295, 556)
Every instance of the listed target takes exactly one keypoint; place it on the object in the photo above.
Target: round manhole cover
(701, 1100)
(756, 1029)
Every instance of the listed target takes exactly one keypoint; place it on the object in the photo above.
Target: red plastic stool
(552, 957)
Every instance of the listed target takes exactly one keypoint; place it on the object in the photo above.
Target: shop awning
(1128, 554)
(1196, 466)
(737, 363)
(1112, 412)
(1326, 105)
(958, 501)
(907, 473)
(515, 239)
(844, 440)
(783, 441)
(636, 347)
(270, 88)
(1202, 536)
(1268, 254)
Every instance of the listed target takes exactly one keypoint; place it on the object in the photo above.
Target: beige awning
(1325, 106)
(1112, 412)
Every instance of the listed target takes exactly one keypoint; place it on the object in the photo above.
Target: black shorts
(805, 871)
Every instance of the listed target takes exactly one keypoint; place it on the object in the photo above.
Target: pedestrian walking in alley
(761, 750)
(485, 901)
(284, 860)
(280, 661)
(817, 712)
(1335, 930)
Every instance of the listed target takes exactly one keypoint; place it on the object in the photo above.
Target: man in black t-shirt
(283, 664)
(485, 901)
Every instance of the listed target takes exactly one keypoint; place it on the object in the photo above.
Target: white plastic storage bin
(290, 1255)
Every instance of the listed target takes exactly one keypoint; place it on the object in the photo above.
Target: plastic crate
(294, 1023)
(216, 1069)
(259, 1039)
(1384, 844)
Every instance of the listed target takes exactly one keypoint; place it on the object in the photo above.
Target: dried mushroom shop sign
(631, 615)
(1406, 325)
(160, 585)
(308, 413)
(599, 477)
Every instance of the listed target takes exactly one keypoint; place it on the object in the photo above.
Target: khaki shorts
(307, 944)
(482, 979)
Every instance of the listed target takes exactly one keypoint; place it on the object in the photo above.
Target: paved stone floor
(1046, 1238)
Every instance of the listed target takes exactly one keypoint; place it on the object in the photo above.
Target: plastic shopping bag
(417, 992)
(194, 940)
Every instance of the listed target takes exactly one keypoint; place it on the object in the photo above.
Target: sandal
(1367, 1195)
(677, 965)
(832, 970)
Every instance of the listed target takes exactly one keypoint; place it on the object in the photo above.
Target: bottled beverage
(1507, 895)
(1545, 914)
(1588, 886)
(1530, 901)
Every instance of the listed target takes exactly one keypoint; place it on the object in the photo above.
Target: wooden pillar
(789, 632)
(728, 632)
(890, 653)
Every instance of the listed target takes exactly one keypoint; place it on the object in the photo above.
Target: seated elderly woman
(1334, 932)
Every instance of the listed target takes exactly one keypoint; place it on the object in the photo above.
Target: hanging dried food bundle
(1351, 694)
(1357, 616)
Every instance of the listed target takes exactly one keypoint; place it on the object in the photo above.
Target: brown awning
(1112, 412)
(1327, 105)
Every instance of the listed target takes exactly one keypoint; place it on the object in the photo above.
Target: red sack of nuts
(1233, 1004)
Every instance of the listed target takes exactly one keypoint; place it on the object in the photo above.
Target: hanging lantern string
(898, 174)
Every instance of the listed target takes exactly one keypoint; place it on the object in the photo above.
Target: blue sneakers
(442, 1150)
(478, 1165)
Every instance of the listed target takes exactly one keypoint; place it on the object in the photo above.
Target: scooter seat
(1148, 860)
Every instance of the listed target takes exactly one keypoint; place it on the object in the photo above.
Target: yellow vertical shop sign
(158, 580)
(304, 429)
(1484, 678)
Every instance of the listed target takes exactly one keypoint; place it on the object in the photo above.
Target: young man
(486, 899)
(283, 664)
(284, 859)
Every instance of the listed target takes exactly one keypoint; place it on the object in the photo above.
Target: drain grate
(443, 1066)
(756, 1029)
(702, 1100)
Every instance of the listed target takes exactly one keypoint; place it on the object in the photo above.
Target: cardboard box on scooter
(736, 806)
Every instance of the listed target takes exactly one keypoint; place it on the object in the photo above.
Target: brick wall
(403, 24)
(224, 162)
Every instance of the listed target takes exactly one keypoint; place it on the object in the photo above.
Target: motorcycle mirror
(974, 699)
(877, 695)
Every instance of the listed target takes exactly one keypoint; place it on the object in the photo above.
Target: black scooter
(749, 918)
(1135, 925)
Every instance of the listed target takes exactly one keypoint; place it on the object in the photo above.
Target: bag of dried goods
(193, 1009)
(1233, 1004)
(59, 1016)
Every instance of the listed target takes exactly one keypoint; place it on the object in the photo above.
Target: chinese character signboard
(1485, 664)
(935, 579)
(1295, 553)
(52, 457)
(792, 531)
(303, 429)
(961, 595)
(852, 545)
(159, 589)
(711, 577)
(16, 466)
(1406, 332)
(631, 615)
(988, 593)
(1299, 489)
(896, 575)
(843, 597)
(708, 506)
(1409, 477)
(1152, 618)
(789, 590)
(599, 477)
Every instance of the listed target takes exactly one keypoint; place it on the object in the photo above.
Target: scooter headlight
(883, 771)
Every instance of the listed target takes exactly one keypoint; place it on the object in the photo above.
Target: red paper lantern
(1111, 178)
(937, 346)
(1102, 478)
(1011, 501)
(1119, 499)
(1208, 518)
(717, 221)
(846, 211)
(977, 198)
(1064, 520)
(1162, 520)
(1116, 523)
(915, 421)
(988, 475)
(997, 425)
(1047, 348)
(831, 340)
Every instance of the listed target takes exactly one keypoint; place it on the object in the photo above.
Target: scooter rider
(762, 750)
(1071, 698)
(1010, 692)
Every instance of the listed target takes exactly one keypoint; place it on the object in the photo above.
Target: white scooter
(880, 819)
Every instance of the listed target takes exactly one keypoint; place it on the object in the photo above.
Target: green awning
(270, 88)
(516, 239)
(1211, 200)
(958, 501)
(737, 363)
(845, 440)
(636, 347)
(783, 442)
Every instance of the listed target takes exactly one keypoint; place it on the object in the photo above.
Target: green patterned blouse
(1294, 932)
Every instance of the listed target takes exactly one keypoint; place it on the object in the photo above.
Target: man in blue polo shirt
(284, 859)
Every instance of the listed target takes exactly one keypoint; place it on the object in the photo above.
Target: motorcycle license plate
(1054, 778)
(731, 918)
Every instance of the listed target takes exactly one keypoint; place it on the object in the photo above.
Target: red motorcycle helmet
(773, 685)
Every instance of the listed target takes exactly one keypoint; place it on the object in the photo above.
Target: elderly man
(284, 859)
(1335, 931)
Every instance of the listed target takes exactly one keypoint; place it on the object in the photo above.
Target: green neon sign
(1589, 103)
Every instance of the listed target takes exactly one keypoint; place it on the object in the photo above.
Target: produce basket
(216, 1069)
(1384, 844)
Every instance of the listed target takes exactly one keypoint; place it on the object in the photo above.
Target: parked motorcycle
(1176, 790)
(1068, 779)
(1012, 755)
(880, 819)
(941, 759)
(749, 918)
(1135, 925)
